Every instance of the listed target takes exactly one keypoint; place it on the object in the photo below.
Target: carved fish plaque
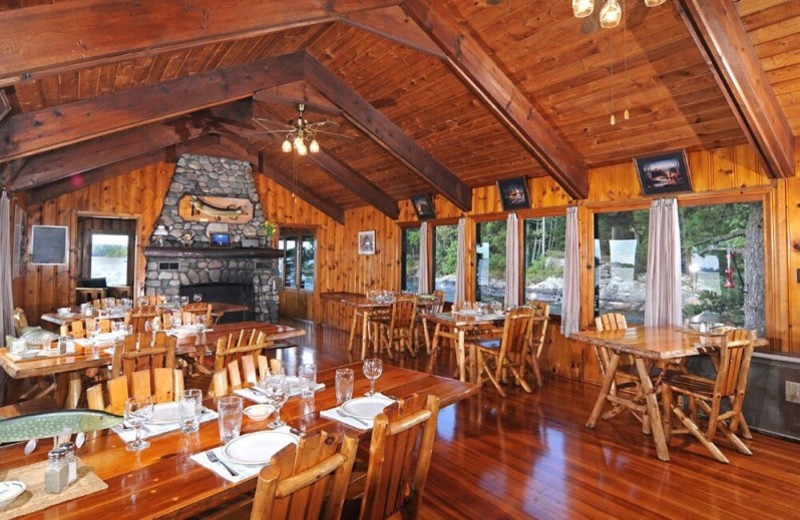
(201, 208)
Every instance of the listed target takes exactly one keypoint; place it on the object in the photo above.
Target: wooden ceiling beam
(386, 134)
(476, 68)
(722, 39)
(394, 24)
(355, 182)
(62, 37)
(46, 129)
(298, 92)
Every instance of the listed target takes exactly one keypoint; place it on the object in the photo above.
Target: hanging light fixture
(300, 133)
(582, 8)
(653, 3)
(610, 14)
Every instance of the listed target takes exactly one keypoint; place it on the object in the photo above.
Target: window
(490, 259)
(297, 266)
(722, 248)
(445, 256)
(290, 263)
(543, 257)
(620, 251)
(109, 258)
(410, 253)
(307, 263)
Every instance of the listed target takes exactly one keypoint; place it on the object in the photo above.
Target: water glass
(138, 410)
(344, 385)
(308, 379)
(190, 407)
(276, 388)
(197, 297)
(373, 368)
(184, 301)
(229, 409)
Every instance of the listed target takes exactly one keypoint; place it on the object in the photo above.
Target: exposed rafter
(299, 91)
(723, 41)
(65, 36)
(301, 190)
(50, 128)
(394, 24)
(385, 133)
(476, 68)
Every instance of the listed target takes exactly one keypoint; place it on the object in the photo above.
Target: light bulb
(626, 114)
(286, 146)
(301, 150)
(582, 8)
(298, 142)
(653, 3)
(610, 14)
(314, 146)
(613, 120)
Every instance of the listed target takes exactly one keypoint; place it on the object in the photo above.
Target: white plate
(258, 447)
(9, 491)
(165, 413)
(366, 407)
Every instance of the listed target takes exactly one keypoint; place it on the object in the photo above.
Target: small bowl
(259, 412)
(64, 311)
(9, 491)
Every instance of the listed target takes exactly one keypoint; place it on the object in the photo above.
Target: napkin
(260, 398)
(245, 471)
(153, 430)
(351, 421)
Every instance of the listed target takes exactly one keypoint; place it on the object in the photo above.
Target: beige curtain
(571, 302)
(424, 283)
(6, 299)
(662, 305)
(512, 261)
(461, 263)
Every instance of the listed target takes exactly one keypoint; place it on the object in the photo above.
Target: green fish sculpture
(51, 424)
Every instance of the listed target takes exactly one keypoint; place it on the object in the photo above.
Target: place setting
(304, 384)
(358, 412)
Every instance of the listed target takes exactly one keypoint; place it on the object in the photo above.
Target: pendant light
(610, 14)
(653, 3)
(582, 8)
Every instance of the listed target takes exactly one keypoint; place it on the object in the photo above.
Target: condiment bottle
(56, 475)
(70, 459)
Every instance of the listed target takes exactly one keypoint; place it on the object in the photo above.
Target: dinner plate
(366, 407)
(257, 447)
(165, 413)
(9, 491)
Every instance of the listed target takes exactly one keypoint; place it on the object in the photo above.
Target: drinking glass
(184, 301)
(93, 333)
(373, 368)
(190, 406)
(197, 297)
(229, 409)
(344, 385)
(276, 388)
(308, 379)
(138, 410)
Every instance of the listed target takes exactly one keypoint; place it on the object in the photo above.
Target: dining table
(163, 481)
(648, 345)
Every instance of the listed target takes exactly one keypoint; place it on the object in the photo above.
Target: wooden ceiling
(433, 97)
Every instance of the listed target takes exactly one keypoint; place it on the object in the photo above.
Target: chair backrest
(404, 309)
(610, 321)
(736, 351)
(75, 329)
(397, 470)
(516, 332)
(20, 321)
(229, 349)
(143, 352)
(539, 327)
(438, 301)
(167, 384)
(197, 309)
(301, 479)
(140, 315)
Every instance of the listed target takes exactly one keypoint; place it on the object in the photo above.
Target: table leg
(353, 329)
(652, 410)
(608, 380)
(462, 362)
(364, 333)
(427, 335)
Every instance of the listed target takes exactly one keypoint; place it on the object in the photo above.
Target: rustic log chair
(498, 355)
(306, 481)
(238, 361)
(230, 378)
(20, 321)
(138, 316)
(533, 348)
(142, 353)
(167, 385)
(736, 350)
(397, 468)
(76, 329)
(398, 332)
(436, 306)
(197, 309)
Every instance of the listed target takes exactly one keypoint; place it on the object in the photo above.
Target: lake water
(113, 269)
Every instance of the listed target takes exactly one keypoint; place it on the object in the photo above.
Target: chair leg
(495, 378)
(524, 384)
(694, 430)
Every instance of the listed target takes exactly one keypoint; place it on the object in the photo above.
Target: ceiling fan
(301, 135)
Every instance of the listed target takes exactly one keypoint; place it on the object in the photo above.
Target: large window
(307, 263)
(490, 261)
(411, 260)
(298, 262)
(620, 251)
(445, 255)
(109, 260)
(543, 248)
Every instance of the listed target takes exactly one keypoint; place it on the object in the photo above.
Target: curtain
(461, 263)
(512, 261)
(424, 284)
(6, 301)
(662, 304)
(571, 302)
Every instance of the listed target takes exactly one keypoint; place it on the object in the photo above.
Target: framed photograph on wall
(366, 242)
(663, 173)
(423, 206)
(514, 193)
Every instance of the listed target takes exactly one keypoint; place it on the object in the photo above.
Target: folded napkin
(333, 414)
(260, 398)
(153, 430)
(184, 330)
(245, 471)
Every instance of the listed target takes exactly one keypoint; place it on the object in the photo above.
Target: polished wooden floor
(530, 456)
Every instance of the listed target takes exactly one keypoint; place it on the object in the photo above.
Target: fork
(341, 413)
(215, 460)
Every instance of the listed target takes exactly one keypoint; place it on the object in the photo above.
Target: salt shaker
(56, 475)
(70, 459)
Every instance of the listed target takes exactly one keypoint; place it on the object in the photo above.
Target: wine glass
(276, 388)
(138, 410)
(197, 297)
(373, 368)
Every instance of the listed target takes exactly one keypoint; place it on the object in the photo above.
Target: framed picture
(49, 245)
(663, 173)
(220, 239)
(423, 206)
(514, 194)
(366, 242)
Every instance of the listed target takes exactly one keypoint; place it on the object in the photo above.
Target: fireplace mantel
(211, 252)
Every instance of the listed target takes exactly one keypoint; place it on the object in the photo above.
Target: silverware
(358, 420)
(215, 460)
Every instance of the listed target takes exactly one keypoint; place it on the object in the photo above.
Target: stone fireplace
(188, 264)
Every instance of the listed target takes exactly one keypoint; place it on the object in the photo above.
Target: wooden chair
(76, 329)
(397, 469)
(533, 349)
(398, 332)
(241, 363)
(306, 481)
(143, 352)
(192, 310)
(706, 394)
(139, 316)
(230, 378)
(20, 321)
(167, 384)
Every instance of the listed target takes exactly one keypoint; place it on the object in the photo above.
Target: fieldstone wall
(214, 176)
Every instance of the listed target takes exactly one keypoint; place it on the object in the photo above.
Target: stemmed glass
(138, 410)
(276, 388)
(373, 368)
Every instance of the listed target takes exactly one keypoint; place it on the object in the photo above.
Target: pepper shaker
(70, 459)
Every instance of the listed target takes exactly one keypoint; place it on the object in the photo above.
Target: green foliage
(728, 304)
(446, 243)
(109, 250)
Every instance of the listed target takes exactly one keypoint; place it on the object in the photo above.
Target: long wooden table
(163, 482)
(653, 344)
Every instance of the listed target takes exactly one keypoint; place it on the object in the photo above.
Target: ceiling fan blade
(269, 123)
(323, 123)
